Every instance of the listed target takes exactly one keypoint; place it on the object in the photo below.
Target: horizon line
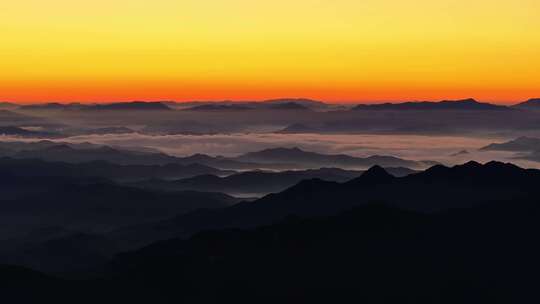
(292, 99)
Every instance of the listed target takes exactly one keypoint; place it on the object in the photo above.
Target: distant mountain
(62, 152)
(107, 130)
(298, 157)
(308, 103)
(226, 163)
(460, 153)
(257, 183)
(219, 107)
(16, 146)
(521, 144)
(8, 105)
(465, 104)
(297, 128)
(528, 148)
(80, 153)
(22, 132)
(531, 104)
(288, 106)
(274, 159)
(230, 105)
(52, 106)
(86, 152)
(10, 118)
(243, 106)
(131, 106)
(103, 169)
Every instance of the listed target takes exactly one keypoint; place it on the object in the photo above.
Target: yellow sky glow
(336, 50)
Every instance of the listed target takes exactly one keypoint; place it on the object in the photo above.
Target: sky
(333, 50)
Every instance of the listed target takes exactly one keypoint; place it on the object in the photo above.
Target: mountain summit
(375, 175)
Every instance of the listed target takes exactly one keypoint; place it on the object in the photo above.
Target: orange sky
(334, 50)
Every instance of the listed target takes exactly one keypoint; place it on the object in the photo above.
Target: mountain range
(463, 234)
(257, 183)
(434, 190)
(104, 169)
(465, 104)
(298, 157)
(124, 106)
(279, 158)
(277, 104)
(22, 132)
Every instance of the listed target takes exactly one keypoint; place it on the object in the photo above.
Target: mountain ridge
(463, 104)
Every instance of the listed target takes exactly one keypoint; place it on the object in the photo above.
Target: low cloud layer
(440, 148)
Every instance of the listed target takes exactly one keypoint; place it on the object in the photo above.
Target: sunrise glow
(334, 50)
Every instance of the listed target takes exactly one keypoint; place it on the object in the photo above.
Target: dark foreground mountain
(464, 234)
(42, 214)
(465, 104)
(434, 190)
(370, 254)
(30, 202)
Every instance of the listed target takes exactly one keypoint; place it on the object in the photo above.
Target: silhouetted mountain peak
(470, 165)
(199, 157)
(497, 165)
(490, 173)
(374, 175)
